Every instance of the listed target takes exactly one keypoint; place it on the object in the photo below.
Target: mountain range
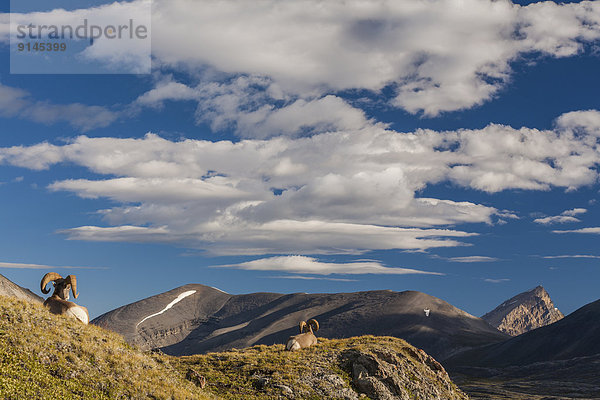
(576, 335)
(557, 361)
(553, 357)
(195, 319)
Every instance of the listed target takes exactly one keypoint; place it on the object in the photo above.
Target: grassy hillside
(338, 368)
(44, 356)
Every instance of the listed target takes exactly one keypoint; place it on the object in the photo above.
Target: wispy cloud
(21, 104)
(564, 217)
(590, 230)
(472, 259)
(311, 278)
(490, 280)
(573, 256)
(41, 266)
(310, 265)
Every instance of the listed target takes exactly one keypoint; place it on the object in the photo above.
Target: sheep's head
(61, 285)
(311, 326)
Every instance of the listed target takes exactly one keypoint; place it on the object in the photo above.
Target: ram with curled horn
(306, 338)
(58, 303)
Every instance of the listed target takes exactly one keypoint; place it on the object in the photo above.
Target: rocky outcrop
(365, 367)
(385, 374)
(11, 289)
(524, 312)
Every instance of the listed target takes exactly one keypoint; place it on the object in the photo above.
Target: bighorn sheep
(57, 303)
(306, 338)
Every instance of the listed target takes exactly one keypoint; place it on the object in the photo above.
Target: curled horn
(49, 277)
(70, 279)
(303, 326)
(313, 324)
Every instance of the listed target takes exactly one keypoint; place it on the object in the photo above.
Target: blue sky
(315, 149)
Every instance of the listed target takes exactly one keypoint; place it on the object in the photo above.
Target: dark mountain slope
(210, 320)
(576, 335)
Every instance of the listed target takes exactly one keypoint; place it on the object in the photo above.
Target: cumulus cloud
(339, 192)
(255, 107)
(310, 265)
(564, 217)
(587, 121)
(421, 51)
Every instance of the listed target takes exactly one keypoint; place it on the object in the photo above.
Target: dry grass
(44, 356)
(237, 374)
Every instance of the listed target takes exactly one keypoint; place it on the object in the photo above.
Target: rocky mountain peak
(524, 312)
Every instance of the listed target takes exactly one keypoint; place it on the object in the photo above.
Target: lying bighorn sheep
(57, 303)
(306, 337)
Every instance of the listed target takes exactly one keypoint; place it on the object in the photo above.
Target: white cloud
(338, 192)
(472, 259)
(574, 211)
(311, 278)
(228, 236)
(254, 107)
(490, 280)
(557, 219)
(420, 49)
(440, 55)
(591, 230)
(310, 265)
(588, 121)
(564, 217)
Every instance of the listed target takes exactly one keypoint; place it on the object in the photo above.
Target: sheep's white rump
(78, 313)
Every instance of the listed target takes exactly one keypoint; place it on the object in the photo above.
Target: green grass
(44, 356)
